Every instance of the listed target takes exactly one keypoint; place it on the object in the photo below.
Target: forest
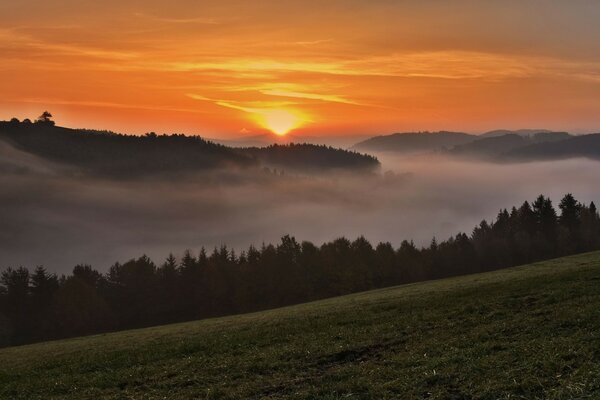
(114, 155)
(37, 305)
(504, 146)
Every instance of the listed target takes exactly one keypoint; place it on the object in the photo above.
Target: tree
(590, 227)
(43, 286)
(79, 310)
(45, 119)
(133, 286)
(169, 296)
(88, 275)
(570, 212)
(570, 224)
(526, 219)
(16, 284)
(547, 224)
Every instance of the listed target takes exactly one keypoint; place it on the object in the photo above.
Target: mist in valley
(54, 216)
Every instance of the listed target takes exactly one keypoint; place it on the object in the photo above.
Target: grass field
(531, 332)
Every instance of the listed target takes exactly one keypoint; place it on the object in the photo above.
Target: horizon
(292, 134)
(227, 70)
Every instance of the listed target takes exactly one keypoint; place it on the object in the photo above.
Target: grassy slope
(528, 332)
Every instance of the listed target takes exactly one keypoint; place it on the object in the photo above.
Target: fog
(53, 216)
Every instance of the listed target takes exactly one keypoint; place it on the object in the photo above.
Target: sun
(279, 121)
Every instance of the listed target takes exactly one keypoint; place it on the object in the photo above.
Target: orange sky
(234, 68)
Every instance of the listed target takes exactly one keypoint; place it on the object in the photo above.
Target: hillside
(520, 132)
(521, 147)
(489, 146)
(579, 146)
(311, 157)
(118, 155)
(414, 142)
(265, 140)
(526, 332)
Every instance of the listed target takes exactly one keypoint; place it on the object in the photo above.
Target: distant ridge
(497, 145)
(489, 146)
(414, 142)
(587, 146)
(493, 146)
(520, 132)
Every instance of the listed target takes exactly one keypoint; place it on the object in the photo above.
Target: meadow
(529, 332)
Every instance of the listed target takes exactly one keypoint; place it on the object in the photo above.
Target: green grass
(531, 332)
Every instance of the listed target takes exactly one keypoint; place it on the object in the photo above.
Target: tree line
(120, 156)
(37, 305)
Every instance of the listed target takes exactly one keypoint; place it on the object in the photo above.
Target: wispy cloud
(25, 44)
(247, 106)
(309, 43)
(293, 90)
(104, 104)
(451, 65)
(312, 96)
(173, 20)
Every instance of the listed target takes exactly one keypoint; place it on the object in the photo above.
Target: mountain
(112, 154)
(457, 143)
(492, 147)
(544, 137)
(520, 132)
(414, 142)
(587, 146)
(489, 146)
(525, 332)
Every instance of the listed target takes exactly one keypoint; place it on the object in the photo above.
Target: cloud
(104, 104)
(313, 42)
(172, 20)
(247, 106)
(311, 96)
(25, 45)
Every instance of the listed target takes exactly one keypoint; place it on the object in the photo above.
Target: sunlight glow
(279, 121)
(351, 66)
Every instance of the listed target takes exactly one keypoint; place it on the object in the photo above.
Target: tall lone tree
(45, 119)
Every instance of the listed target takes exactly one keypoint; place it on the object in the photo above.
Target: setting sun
(279, 122)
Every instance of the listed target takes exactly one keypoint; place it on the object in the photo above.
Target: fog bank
(51, 216)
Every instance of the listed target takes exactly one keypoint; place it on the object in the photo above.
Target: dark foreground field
(530, 332)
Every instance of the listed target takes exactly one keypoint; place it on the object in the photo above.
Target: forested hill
(498, 146)
(112, 154)
(587, 146)
(411, 142)
(310, 157)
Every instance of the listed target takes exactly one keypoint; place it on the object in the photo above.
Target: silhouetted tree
(17, 302)
(45, 119)
(88, 275)
(79, 310)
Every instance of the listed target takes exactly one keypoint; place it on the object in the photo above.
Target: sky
(230, 69)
